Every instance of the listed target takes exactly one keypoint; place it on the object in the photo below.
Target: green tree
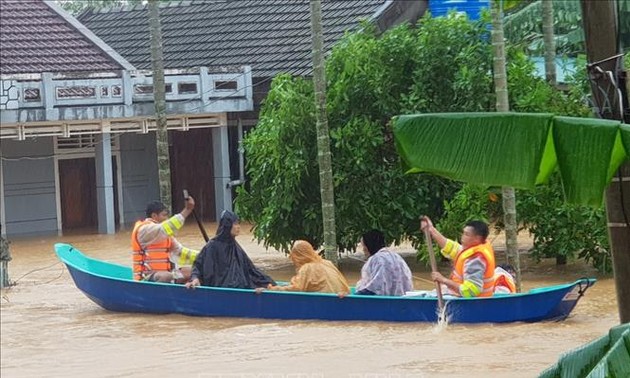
(369, 83)
(370, 80)
(537, 209)
(525, 27)
(559, 228)
(472, 202)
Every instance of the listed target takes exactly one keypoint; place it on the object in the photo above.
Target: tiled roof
(35, 37)
(271, 36)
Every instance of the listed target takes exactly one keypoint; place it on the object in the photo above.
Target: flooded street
(49, 328)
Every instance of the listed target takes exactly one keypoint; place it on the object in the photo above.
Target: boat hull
(111, 287)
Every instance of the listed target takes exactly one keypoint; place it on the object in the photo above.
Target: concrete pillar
(221, 164)
(48, 95)
(205, 85)
(105, 185)
(127, 94)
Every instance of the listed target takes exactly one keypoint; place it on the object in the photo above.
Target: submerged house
(220, 58)
(270, 36)
(77, 133)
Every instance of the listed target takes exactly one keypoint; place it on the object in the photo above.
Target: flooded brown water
(50, 329)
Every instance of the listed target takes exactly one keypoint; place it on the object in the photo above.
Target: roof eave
(90, 36)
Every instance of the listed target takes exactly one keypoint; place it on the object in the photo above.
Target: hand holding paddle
(203, 230)
(425, 226)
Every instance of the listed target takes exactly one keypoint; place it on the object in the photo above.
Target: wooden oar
(423, 279)
(438, 287)
(203, 230)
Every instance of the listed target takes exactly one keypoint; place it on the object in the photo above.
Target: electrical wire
(38, 270)
(228, 96)
(63, 269)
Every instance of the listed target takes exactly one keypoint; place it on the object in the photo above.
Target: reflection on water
(49, 328)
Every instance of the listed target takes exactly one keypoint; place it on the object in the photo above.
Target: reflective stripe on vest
(187, 257)
(486, 251)
(154, 257)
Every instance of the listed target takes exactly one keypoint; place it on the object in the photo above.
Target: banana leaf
(515, 149)
(589, 153)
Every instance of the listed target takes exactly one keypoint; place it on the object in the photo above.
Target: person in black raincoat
(223, 263)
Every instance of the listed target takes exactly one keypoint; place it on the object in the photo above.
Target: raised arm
(426, 224)
(155, 232)
(449, 248)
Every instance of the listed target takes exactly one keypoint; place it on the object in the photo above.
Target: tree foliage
(443, 66)
(370, 80)
(524, 27)
(472, 202)
(562, 229)
(558, 228)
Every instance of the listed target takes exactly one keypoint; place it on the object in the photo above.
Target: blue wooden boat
(111, 286)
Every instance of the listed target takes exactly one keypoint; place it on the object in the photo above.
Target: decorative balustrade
(63, 105)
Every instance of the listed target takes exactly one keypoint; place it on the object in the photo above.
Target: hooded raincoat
(223, 263)
(385, 273)
(314, 274)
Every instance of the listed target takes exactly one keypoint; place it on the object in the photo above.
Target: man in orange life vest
(157, 255)
(473, 260)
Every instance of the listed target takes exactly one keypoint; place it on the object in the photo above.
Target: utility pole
(601, 31)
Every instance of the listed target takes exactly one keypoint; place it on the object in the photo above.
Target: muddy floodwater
(50, 329)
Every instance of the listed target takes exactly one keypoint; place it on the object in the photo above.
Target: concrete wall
(29, 182)
(29, 187)
(139, 174)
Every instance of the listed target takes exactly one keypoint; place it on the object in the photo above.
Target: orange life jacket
(487, 253)
(154, 257)
(505, 280)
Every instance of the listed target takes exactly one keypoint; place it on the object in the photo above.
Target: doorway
(191, 168)
(77, 186)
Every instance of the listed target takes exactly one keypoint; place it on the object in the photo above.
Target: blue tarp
(472, 8)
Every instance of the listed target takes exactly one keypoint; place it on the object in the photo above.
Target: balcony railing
(28, 102)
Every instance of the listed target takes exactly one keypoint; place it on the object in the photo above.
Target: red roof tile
(34, 38)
